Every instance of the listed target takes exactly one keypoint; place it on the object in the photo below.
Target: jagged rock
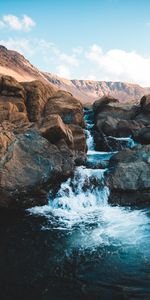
(37, 94)
(29, 164)
(37, 146)
(145, 103)
(143, 135)
(65, 105)
(99, 104)
(129, 177)
(6, 137)
(79, 140)
(12, 101)
(119, 128)
(54, 129)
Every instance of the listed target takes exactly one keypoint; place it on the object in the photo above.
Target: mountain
(87, 91)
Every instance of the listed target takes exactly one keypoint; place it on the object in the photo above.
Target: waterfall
(89, 140)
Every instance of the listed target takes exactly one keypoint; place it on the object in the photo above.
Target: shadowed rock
(129, 177)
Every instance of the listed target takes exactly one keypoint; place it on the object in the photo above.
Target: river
(78, 246)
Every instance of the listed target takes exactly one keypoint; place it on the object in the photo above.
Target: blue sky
(92, 39)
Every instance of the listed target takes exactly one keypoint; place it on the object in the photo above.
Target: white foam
(130, 142)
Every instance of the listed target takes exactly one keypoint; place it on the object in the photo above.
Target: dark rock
(129, 174)
(143, 136)
(99, 105)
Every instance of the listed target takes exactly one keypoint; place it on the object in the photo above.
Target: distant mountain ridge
(87, 91)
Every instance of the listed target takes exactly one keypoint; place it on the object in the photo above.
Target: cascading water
(84, 200)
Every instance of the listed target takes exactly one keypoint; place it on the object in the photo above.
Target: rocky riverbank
(129, 169)
(41, 140)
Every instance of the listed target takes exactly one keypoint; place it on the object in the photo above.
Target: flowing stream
(78, 246)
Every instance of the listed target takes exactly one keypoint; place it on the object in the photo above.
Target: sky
(92, 39)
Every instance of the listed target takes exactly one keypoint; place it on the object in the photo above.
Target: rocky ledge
(129, 169)
(41, 140)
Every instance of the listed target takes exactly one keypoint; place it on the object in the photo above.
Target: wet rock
(129, 177)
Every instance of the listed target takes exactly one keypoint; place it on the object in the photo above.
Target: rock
(65, 105)
(145, 104)
(143, 111)
(79, 140)
(54, 129)
(109, 114)
(143, 135)
(12, 101)
(6, 138)
(41, 141)
(29, 164)
(129, 177)
(37, 94)
(99, 105)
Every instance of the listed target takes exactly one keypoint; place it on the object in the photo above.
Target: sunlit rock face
(41, 140)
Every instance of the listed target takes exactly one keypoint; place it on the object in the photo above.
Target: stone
(54, 129)
(64, 104)
(129, 177)
(79, 140)
(29, 164)
(37, 94)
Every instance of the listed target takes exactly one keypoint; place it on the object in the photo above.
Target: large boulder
(29, 164)
(41, 141)
(54, 129)
(143, 135)
(65, 105)
(145, 104)
(37, 94)
(119, 128)
(12, 101)
(101, 103)
(79, 140)
(129, 177)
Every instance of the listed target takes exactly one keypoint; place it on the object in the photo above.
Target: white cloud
(78, 50)
(59, 62)
(95, 64)
(2, 25)
(63, 71)
(68, 59)
(22, 46)
(15, 23)
(28, 22)
(120, 65)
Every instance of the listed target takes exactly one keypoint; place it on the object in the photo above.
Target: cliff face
(87, 91)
